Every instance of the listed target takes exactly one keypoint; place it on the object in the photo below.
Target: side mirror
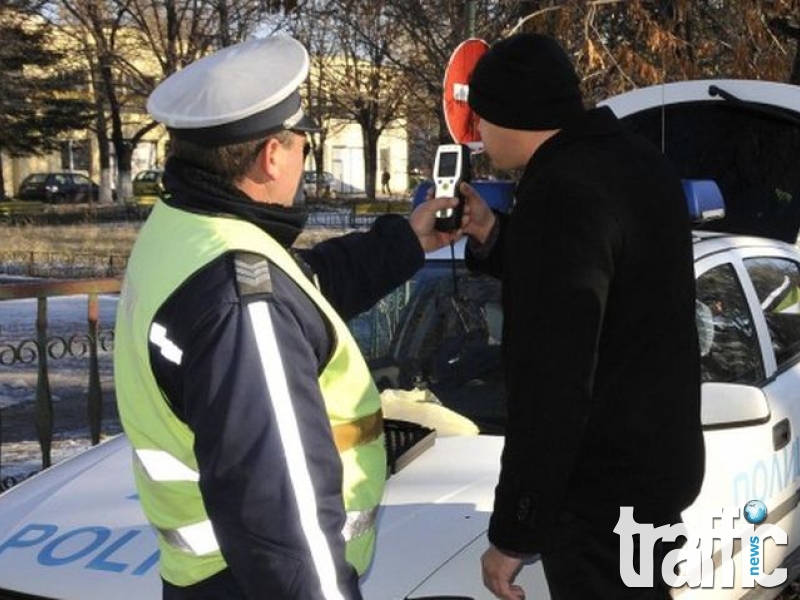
(733, 405)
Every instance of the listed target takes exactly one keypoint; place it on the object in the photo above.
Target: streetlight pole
(469, 18)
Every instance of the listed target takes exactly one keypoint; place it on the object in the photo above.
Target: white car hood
(433, 522)
(76, 531)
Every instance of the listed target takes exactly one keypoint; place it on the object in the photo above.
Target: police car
(76, 531)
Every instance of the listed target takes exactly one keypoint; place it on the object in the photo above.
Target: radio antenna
(663, 105)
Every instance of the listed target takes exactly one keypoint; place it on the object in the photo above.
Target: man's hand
(423, 219)
(478, 218)
(499, 572)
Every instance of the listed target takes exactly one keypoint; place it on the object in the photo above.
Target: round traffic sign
(461, 121)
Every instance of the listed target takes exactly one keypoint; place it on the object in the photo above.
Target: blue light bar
(703, 197)
(498, 194)
(704, 200)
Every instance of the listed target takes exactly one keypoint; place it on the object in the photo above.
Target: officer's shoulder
(253, 274)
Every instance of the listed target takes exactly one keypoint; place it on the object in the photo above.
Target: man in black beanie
(599, 340)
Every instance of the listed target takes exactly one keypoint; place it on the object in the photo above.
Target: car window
(448, 340)
(148, 176)
(60, 179)
(777, 283)
(729, 347)
(81, 180)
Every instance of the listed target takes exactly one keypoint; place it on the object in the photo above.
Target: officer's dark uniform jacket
(599, 339)
(208, 360)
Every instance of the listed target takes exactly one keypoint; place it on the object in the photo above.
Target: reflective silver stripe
(158, 336)
(358, 522)
(162, 466)
(294, 453)
(197, 539)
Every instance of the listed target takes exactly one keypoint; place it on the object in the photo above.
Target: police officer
(255, 424)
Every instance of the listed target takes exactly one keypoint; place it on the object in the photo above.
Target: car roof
(705, 243)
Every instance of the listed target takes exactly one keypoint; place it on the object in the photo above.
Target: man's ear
(271, 158)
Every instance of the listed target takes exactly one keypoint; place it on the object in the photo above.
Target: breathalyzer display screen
(447, 164)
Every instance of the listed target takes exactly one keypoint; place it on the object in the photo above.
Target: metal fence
(72, 265)
(100, 274)
(44, 347)
(63, 265)
(46, 351)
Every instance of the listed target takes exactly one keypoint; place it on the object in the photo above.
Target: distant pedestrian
(385, 177)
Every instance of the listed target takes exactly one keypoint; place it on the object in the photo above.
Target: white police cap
(238, 94)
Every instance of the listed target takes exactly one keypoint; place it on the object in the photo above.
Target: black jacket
(220, 391)
(599, 341)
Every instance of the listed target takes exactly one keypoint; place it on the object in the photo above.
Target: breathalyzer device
(450, 168)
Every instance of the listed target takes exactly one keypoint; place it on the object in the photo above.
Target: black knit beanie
(526, 82)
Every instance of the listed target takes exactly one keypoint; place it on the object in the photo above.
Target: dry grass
(72, 239)
(103, 239)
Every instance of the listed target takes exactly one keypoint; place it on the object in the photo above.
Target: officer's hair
(230, 162)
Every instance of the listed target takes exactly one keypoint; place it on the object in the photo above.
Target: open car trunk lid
(745, 135)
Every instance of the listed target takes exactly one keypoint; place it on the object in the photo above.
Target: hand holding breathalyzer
(478, 219)
(450, 168)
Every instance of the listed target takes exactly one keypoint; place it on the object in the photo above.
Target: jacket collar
(195, 190)
(592, 123)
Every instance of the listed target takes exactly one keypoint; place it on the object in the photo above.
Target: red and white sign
(461, 121)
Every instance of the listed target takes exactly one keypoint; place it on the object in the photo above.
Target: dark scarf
(195, 190)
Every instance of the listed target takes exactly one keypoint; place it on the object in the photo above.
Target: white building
(343, 157)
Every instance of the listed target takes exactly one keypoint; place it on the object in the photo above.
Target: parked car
(148, 184)
(58, 187)
(319, 185)
(330, 187)
(77, 531)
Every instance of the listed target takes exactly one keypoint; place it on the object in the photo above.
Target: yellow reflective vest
(173, 245)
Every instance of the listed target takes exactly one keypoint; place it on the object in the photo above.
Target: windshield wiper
(714, 90)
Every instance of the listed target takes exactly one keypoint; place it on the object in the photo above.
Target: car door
(82, 188)
(61, 186)
(747, 418)
(775, 277)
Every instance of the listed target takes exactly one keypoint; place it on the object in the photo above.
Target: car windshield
(148, 176)
(444, 336)
(36, 178)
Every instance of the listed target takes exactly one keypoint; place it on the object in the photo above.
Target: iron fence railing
(63, 265)
(75, 265)
(373, 330)
(45, 347)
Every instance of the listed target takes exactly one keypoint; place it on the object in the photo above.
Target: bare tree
(316, 28)
(365, 87)
(99, 29)
(430, 32)
(130, 45)
(621, 45)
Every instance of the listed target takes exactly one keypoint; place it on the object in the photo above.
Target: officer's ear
(271, 158)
